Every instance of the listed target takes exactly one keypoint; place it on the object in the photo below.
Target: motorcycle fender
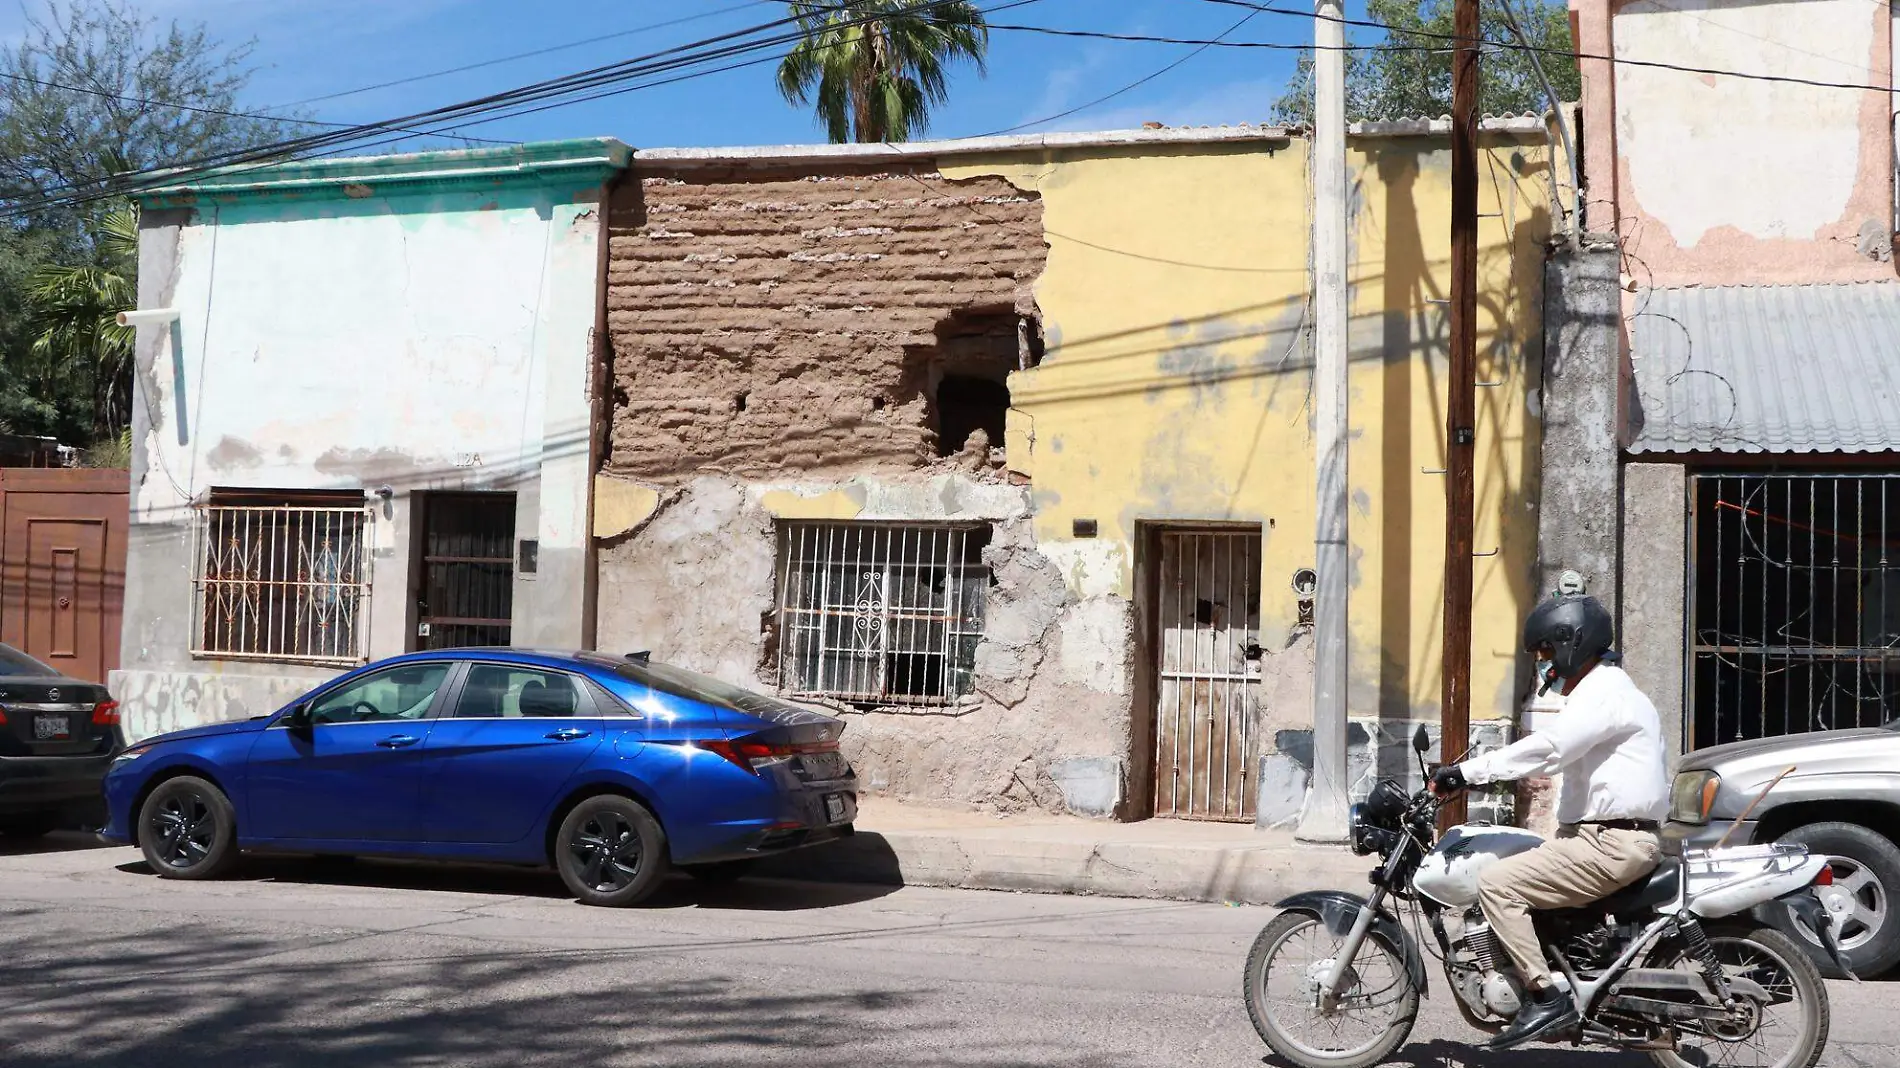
(1337, 909)
(1808, 909)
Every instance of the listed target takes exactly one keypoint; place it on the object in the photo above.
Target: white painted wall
(428, 341)
(1772, 159)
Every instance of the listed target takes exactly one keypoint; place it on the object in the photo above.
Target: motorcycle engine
(1590, 946)
(1484, 981)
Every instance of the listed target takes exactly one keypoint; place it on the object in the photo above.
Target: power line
(1568, 53)
(495, 104)
(524, 55)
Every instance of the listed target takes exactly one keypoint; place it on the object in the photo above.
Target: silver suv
(1841, 799)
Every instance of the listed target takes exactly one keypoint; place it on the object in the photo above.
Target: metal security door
(465, 596)
(1209, 614)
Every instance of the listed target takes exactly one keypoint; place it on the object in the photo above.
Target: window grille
(283, 581)
(880, 614)
(1795, 612)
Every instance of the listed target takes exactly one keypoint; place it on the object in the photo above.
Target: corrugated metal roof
(1810, 368)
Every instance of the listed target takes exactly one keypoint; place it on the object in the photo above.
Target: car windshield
(15, 662)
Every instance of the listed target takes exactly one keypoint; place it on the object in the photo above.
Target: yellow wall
(1175, 384)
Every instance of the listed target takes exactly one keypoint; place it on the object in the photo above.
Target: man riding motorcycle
(1608, 745)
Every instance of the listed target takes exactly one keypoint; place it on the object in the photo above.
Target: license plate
(834, 808)
(47, 728)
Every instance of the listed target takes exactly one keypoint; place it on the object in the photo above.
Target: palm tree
(874, 68)
(77, 341)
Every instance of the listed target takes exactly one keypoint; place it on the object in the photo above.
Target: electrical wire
(725, 45)
(1570, 54)
(523, 55)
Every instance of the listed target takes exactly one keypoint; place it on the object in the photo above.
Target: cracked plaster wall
(422, 341)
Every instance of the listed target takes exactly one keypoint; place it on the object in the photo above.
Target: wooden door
(1208, 613)
(62, 566)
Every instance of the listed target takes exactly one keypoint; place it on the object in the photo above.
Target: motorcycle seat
(1649, 893)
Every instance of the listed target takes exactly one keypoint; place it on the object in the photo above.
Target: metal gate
(466, 594)
(1208, 605)
(1795, 616)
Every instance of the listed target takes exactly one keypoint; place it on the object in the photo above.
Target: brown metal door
(465, 586)
(1208, 607)
(62, 567)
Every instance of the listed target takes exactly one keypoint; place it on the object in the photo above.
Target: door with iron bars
(465, 586)
(1208, 618)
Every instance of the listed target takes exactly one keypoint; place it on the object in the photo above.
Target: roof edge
(584, 160)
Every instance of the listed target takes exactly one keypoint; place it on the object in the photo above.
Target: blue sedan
(612, 770)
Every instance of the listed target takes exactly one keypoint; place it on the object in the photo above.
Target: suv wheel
(1864, 900)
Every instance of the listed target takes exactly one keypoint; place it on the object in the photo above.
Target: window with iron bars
(283, 576)
(1795, 604)
(880, 613)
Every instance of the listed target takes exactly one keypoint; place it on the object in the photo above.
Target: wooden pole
(1462, 400)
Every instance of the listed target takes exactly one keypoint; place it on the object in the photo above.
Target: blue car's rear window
(705, 689)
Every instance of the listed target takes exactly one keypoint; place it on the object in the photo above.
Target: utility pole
(1324, 816)
(1462, 403)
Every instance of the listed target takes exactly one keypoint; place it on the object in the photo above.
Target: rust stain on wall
(767, 323)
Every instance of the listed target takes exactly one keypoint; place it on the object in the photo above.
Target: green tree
(877, 79)
(79, 351)
(1415, 79)
(93, 89)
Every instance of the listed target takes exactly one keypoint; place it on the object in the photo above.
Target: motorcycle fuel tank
(1449, 874)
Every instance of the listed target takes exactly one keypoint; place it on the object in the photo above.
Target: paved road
(297, 965)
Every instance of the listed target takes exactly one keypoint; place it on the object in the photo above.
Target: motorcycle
(1679, 965)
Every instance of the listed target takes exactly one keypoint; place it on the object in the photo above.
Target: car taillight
(105, 714)
(754, 755)
(3, 717)
(1826, 876)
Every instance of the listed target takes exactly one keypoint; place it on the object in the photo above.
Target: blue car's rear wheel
(610, 851)
(187, 829)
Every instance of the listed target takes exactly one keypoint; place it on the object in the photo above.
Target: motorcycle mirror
(1421, 741)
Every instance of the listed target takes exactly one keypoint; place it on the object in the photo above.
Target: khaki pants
(1584, 863)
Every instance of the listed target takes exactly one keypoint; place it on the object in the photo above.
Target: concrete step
(1177, 860)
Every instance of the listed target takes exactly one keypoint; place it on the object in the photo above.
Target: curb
(1245, 875)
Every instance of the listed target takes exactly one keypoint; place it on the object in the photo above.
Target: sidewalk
(1179, 860)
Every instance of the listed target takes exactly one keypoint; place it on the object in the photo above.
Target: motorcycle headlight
(1692, 797)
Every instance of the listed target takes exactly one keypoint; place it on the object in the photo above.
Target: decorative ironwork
(880, 613)
(1794, 618)
(284, 583)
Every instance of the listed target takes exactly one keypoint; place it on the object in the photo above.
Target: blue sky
(312, 48)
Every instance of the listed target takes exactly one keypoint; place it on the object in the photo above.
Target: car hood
(1827, 764)
(209, 730)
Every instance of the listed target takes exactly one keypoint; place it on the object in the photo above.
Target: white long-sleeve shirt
(1608, 744)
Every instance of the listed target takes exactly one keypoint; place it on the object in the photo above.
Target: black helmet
(1577, 628)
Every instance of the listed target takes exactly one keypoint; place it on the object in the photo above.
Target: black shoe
(1550, 1009)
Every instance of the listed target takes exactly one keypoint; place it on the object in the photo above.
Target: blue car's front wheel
(187, 829)
(610, 851)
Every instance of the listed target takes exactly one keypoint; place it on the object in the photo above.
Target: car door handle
(398, 741)
(567, 734)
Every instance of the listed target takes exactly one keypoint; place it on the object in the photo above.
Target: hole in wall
(738, 402)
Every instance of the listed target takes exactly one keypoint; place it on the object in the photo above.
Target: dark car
(611, 770)
(58, 736)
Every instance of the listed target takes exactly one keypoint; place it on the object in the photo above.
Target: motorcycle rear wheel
(1772, 959)
(1377, 1008)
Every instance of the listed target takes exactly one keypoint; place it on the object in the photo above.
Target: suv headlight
(1692, 797)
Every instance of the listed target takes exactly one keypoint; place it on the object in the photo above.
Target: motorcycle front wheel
(1788, 1032)
(1361, 1026)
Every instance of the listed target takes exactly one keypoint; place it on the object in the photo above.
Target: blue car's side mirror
(298, 718)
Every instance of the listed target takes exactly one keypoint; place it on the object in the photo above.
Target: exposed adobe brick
(816, 298)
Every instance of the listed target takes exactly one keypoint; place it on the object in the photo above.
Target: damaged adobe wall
(1047, 726)
(766, 323)
(823, 347)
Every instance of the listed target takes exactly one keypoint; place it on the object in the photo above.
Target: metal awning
(1766, 369)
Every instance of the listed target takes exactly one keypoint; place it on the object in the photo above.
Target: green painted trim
(581, 162)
